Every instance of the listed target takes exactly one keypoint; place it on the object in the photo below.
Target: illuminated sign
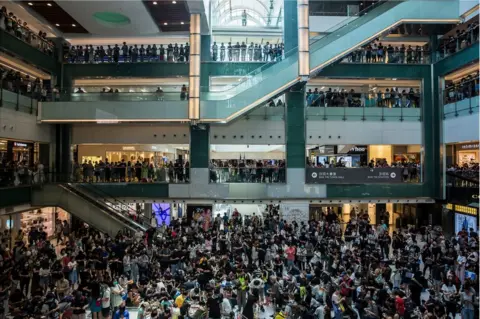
(467, 210)
(469, 146)
(18, 144)
(128, 148)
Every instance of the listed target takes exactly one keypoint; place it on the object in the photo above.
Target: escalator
(102, 214)
(271, 79)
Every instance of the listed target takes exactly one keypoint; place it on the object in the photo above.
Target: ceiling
(174, 13)
(54, 14)
(107, 18)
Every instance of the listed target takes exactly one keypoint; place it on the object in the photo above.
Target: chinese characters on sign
(353, 175)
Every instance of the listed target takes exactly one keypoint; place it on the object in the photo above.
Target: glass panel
(159, 95)
(461, 98)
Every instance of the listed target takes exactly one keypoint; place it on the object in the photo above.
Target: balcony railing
(247, 175)
(27, 102)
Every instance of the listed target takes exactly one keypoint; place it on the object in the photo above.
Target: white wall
(130, 134)
(264, 132)
(358, 132)
(461, 129)
(323, 24)
(23, 126)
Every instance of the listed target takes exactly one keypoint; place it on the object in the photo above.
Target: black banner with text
(339, 175)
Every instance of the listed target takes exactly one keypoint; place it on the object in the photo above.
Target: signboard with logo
(467, 146)
(353, 175)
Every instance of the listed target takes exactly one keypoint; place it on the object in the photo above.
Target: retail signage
(18, 144)
(467, 210)
(128, 148)
(469, 146)
(353, 175)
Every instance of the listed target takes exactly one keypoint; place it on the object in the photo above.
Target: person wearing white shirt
(73, 275)
(106, 301)
(449, 291)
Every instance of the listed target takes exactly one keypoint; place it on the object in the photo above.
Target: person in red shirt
(399, 304)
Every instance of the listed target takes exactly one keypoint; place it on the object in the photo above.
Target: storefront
(46, 218)
(156, 154)
(464, 217)
(466, 153)
(19, 151)
(339, 155)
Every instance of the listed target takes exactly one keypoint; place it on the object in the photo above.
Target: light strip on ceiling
(18, 66)
(462, 72)
(471, 11)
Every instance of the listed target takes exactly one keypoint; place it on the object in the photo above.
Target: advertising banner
(340, 175)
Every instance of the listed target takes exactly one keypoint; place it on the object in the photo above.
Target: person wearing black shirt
(116, 53)
(213, 304)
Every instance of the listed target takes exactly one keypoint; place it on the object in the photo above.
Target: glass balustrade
(82, 96)
(264, 175)
(26, 102)
(461, 98)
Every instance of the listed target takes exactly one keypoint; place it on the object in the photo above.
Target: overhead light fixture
(73, 25)
(57, 24)
(174, 2)
(182, 22)
(165, 23)
(155, 2)
(49, 4)
(30, 4)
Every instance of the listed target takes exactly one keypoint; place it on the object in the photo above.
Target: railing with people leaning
(82, 96)
(15, 99)
(461, 98)
(264, 175)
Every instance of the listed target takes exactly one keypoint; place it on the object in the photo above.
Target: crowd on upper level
(128, 53)
(376, 52)
(15, 81)
(127, 171)
(247, 171)
(251, 53)
(460, 40)
(10, 23)
(340, 98)
(465, 88)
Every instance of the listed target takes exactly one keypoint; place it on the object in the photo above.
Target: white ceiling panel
(141, 23)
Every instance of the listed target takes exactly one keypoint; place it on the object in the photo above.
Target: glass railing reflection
(81, 96)
(247, 175)
(461, 98)
(26, 102)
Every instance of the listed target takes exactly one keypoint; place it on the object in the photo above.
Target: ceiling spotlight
(73, 25)
(165, 23)
(174, 2)
(30, 4)
(57, 24)
(154, 2)
(49, 4)
(182, 22)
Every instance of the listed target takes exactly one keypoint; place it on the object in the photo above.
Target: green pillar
(432, 135)
(206, 44)
(295, 126)
(433, 45)
(290, 25)
(199, 145)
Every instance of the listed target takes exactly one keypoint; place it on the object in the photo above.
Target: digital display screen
(162, 213)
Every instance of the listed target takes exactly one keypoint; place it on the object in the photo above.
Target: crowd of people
(106, 94)
(247, 53)
(14, 173)
(15, 81)
(460, 40)
(233, 267)
(391, 98)
(131, 172)
(10, 23)
(128, 53)
(467, 87)
(376, 52)
(247, 171)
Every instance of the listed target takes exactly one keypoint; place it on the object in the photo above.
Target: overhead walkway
(88, 204)
(272, 79)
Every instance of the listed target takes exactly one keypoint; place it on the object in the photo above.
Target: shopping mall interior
(207, 127)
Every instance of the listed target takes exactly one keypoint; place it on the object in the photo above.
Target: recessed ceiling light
(30, 4)
(182, 22)
(174, 2)
(49, 4)
(154, 2)
(57, 24)
(165, 23)
(73, 25)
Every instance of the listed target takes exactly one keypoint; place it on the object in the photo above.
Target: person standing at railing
(214, 51)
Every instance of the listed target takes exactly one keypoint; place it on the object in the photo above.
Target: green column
(206, 44)
(295, 126)
(433, 45)
(290, 25)
(199, 145)
(432, 130)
